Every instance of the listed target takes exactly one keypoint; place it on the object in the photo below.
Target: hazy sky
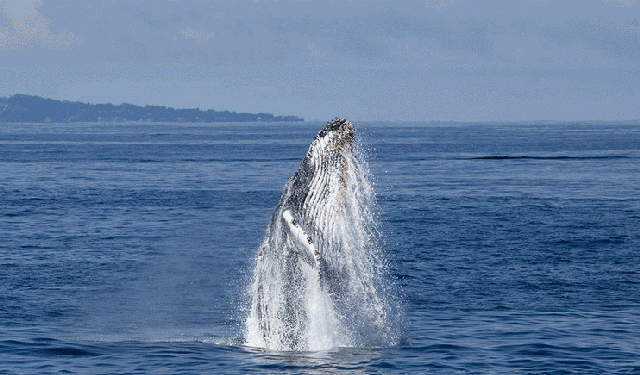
(516, 60)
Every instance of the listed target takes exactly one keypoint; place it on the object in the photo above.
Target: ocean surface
(127, 248)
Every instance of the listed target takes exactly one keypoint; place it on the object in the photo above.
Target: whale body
(316, 282)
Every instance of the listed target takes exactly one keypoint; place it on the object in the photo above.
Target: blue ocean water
(127, 248)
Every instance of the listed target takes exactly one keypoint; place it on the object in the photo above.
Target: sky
(430, 60)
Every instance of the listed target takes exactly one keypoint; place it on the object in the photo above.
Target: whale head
(335, 137)
(323, 176)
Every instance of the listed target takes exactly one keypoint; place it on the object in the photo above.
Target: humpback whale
(316, 283)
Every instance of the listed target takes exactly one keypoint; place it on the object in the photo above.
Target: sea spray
(320, 280)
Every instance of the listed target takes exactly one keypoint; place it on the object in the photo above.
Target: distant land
(25, 108)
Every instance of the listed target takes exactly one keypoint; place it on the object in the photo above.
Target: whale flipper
(303, 241)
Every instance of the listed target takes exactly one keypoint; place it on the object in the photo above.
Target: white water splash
(343, 302)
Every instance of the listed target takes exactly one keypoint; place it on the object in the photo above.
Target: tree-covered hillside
(25, 108)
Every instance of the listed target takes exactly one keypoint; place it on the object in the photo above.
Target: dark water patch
(68, 351)
(46, 347)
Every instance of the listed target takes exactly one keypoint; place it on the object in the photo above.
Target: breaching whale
(316, 283)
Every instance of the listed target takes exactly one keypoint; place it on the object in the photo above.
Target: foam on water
(343, 302)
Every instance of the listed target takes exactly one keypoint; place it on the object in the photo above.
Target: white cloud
(440, 3)
(25, 26)
(195, 34)
(624, 3)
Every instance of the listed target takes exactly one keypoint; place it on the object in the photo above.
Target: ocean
(128, 248)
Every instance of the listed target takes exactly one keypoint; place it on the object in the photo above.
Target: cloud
(624, 3)
(195, 34)
(24, 26)
(439, 3)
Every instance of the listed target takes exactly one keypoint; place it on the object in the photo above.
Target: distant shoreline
(21, 108)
